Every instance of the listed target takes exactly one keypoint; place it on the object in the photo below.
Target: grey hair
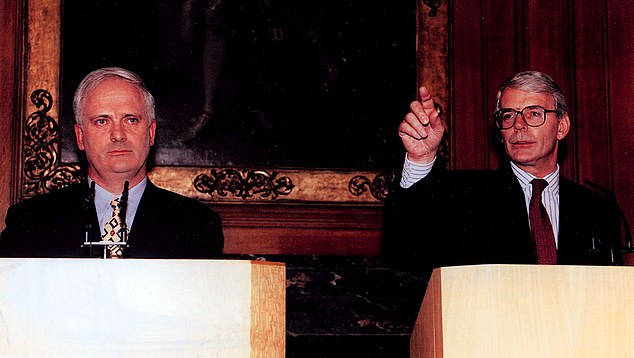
(535, 82)
(96, 77)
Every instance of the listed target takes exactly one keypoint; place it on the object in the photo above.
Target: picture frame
(266, 209)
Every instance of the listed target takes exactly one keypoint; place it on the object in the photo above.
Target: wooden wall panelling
(311, 219)
(591, 120)
(548, 24)
(468, 135)
(549, 50)
(432, 42)
(9, 45)
(501, 26)
(275, 229)
(548, 35)
(621, 101)
(565, 41)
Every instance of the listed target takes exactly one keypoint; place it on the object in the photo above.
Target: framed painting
(298, 144)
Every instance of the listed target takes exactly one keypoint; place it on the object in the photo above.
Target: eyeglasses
(534, 116)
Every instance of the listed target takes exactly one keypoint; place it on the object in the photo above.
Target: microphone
(610, 194)
(124, 208)
(123, 205)
(87, 206)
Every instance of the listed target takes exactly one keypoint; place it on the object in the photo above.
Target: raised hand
(422, 129)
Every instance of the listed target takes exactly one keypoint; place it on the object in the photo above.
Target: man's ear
(79, 137)
(563, 127)
(152, 132)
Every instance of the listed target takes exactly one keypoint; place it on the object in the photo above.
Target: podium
(142, 308)
(526, 311)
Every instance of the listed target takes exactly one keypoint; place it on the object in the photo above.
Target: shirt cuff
(413, 172)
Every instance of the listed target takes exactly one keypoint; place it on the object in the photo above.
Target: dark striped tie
(541, 229)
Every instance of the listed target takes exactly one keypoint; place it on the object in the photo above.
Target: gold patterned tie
(113, 230)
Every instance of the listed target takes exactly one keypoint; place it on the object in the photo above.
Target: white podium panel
(141, 308)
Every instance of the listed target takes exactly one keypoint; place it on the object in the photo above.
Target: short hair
(96, 77)
(535, 82)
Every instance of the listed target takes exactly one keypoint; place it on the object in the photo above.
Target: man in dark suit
(438, 217)
(115, 126)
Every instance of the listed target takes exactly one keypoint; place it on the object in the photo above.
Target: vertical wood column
(9, 70)
(620, 71)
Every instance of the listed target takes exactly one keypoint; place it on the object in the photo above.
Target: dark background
(318, 119)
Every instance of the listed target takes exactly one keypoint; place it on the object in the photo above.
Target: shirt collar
(525, 178)
(104, 197)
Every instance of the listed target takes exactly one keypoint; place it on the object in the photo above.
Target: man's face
(534, 149)
(115, 132)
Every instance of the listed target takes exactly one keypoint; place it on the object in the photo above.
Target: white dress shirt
(103, 199)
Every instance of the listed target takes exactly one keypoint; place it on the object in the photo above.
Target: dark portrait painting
(275, 83)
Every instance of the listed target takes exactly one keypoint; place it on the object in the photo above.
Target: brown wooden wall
(9, 22)
(464, 54)
(587, 46)
(620, 100)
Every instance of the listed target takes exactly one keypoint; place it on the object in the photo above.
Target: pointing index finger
(428, 106)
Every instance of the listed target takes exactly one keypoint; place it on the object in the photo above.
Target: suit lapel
(514, 196)
(144, 217)
(82, 216)
(566, 213)
(515, 218)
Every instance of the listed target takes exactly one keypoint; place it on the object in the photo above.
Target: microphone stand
(123, 202)
(628, 247)
(122, 213)
(88, 204)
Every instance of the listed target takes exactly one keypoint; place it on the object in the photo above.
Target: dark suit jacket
(480, 217)
(166, 225)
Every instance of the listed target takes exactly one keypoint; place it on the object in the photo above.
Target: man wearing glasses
(439, 218)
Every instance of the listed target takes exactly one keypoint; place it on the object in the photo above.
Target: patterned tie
(541, 229)
(113, 230)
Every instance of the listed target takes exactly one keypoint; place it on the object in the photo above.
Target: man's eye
(133, 120)
(507, 116)
(100, 121)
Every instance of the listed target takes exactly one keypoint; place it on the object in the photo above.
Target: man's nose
(117, 132)
(520, 122)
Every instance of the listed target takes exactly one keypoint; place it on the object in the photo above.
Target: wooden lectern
(526, 311)
(142, 308)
